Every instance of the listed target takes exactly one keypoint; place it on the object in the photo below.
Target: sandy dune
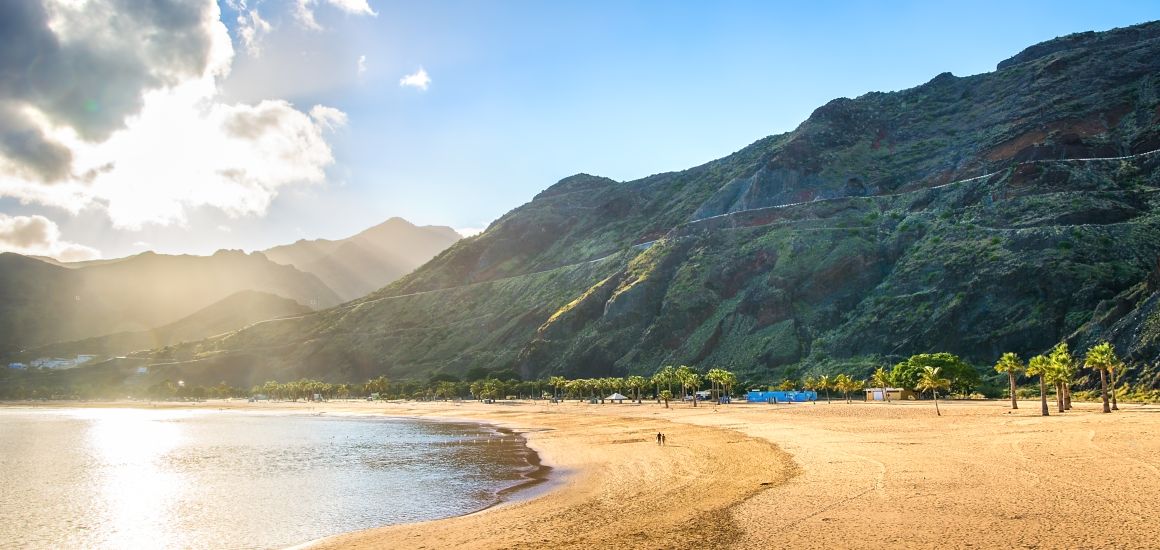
(813, 476)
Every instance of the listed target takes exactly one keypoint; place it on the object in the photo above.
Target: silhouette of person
(659, 437)
(663, 438)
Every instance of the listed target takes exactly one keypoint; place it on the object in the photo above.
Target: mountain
(357, 265)
(237, 310)
(996, 212)
(42, 303)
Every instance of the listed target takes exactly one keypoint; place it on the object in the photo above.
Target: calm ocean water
(131, 478)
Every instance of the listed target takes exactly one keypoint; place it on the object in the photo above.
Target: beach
(820, 475)
(809, 475)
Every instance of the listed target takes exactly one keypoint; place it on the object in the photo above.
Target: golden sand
(814, 476)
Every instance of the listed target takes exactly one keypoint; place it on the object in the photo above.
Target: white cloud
(328, 117)
(419, 79)
(304, 10)
(362, 64)
(225, 229)
(40, 236)
(251, 29)
(153, 139)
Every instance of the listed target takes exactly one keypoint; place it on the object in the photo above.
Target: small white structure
(616, 397)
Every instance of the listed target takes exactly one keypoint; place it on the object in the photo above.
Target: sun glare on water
(136, 492)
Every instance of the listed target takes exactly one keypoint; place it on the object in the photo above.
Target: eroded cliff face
(954, 216)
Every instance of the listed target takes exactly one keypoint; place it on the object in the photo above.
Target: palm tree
(809, 383)
(1117, 374)
(1055, 376)
(1065, 373)
(665, 375)
(1102, 357)
(636, 383)
(842, 383)
(729, 380)
(712, 376)
(1039, 366)
(679, 375)
(666, 395)
(1011, 364)
(881, 378)
(691, 381)
(556, 382)
(931, 379)
(575, 388)
(825, 383)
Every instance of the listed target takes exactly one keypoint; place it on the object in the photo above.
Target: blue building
(756, 396)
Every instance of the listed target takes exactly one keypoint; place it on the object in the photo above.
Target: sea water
(145, 478)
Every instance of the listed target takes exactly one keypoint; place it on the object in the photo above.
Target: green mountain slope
(954, 216)
(357, 265)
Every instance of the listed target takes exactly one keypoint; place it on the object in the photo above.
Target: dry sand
(814, 475)
(806, 476)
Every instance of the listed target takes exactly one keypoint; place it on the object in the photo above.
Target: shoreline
(810, 475)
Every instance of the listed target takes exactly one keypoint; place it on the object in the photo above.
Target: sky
(188, 126)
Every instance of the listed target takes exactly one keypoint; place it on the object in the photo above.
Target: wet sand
(804, 475)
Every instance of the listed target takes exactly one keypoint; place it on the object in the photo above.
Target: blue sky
(522, 94)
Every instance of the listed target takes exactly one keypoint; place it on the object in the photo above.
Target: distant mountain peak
(369, 259)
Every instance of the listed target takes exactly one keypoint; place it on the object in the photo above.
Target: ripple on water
(117, 478)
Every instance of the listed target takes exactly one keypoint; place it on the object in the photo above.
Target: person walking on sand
(663, 438)
(659, 437)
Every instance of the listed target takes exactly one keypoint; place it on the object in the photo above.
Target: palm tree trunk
(1043, 396)
(1115, 407)
(1066, 396)
(1059, 396)
(936, 411)
(1011, 378)
(1104, 390)
(827, 395)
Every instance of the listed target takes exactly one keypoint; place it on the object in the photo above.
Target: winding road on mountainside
(354, 306)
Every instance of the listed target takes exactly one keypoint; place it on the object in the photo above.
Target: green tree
(786, 385)
(691, 381)
(557, 382)
(729, 381)
(1102, 358)
(1011, 364)
(963, 377)
(680, 374)
(716, 377)
(664, 376)
(666, 395)
(931, 379)
(575, 388)
(825, 383)
(1040, 366)
(881, 378)
(636, 383)
(843, 383)
(1117, 375)
(1063, 370)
